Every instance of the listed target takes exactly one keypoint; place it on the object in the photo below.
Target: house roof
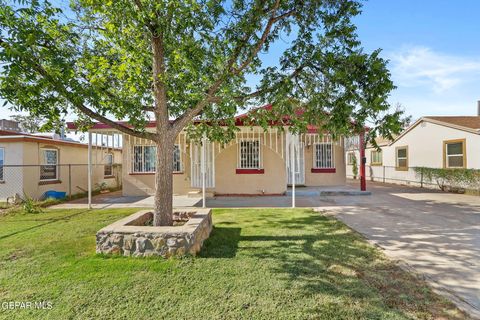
(471, 122)
(464, 123)
(239, 121)
(14, 136)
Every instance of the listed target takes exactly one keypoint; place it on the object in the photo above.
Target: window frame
(464, 153)
(350, 156)
(397, 167)
(154, 165)
(57, 173)
(315, 153)
(180, 162)
(377, 163)
(108, 165)
(259, 156)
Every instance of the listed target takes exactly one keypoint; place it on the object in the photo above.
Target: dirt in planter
(179, 218)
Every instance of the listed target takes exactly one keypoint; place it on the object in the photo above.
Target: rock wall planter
(132, 236)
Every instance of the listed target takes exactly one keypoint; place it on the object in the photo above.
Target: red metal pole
(363, 160)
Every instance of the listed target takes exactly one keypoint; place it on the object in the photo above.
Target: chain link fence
(40, 181)
(409, 176)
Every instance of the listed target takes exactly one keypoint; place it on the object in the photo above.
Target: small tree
(174, 61)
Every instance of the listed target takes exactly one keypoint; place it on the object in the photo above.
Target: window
(177, 160)
(249, 154)
(49, 164)
(351, 158)
(323, 156)
(454, 154)
(402, 158)
(376, 157)
(2, 162)
(108, 167)
(145, 157)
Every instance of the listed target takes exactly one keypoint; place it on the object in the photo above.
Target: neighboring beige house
(433, 141)
(34, 164)
(256, 162)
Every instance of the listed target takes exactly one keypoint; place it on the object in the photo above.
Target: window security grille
(49, 167)
(323, 156)
(144, 159)
(249, 154)
(108, 167)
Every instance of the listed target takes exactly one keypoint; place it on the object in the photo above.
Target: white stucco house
(432, 141)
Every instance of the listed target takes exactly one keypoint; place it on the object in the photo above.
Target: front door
(196, 165)
(299, 159)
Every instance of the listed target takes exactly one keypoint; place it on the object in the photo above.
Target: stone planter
(132, 236)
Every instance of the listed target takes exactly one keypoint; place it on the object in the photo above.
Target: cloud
(422, 66)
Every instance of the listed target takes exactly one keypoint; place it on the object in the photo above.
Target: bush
(29, 205)
(450, 178)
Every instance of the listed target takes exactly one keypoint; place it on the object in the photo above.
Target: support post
(203, 172)
(89, 169)
(292, 166)
(363, 160)
(70, 181)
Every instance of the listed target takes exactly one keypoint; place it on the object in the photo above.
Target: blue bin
(55, 194)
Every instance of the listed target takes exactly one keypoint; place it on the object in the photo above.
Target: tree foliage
(95, 59)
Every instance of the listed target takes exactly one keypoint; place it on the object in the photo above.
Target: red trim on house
(250, 171)
(324, 170)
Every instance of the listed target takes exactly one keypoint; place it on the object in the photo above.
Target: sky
(433, 50)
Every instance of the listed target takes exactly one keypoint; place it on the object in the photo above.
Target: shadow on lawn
(222, 243)
(320, 256)
(47, 222)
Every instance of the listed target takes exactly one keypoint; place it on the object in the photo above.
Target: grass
(257, 264)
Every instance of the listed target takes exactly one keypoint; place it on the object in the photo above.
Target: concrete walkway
(437, 234)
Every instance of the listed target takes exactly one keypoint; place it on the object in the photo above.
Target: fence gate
(196, 165)
(294, 142)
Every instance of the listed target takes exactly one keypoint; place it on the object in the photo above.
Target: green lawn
(257, 264)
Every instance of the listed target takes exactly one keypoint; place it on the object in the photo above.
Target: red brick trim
(324, 170)
(250, 171)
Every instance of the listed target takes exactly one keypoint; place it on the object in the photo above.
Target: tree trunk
(163, 205)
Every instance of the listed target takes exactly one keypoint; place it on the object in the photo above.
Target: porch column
(202, 164)
(363, 160)
(89, 168)
(292, 166)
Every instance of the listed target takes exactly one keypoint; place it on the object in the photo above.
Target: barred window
(49, 164)
(177, 161)
(108, 167)
(2, 162)
(351, 158)
(249, 154)
(145, 157)
(323, 156)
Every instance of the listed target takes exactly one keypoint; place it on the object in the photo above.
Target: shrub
(450, 178)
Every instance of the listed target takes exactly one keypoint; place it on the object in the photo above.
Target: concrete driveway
(437, 234)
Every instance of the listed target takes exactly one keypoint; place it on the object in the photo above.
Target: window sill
(250, 171)
(401, 169)
(108, 177)
(324, 170)
(44, 182)
(376, 164)
(177, 172)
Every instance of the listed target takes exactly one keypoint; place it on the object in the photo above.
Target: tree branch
(60, 87)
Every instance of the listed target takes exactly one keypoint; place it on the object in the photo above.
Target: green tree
(175, 61)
